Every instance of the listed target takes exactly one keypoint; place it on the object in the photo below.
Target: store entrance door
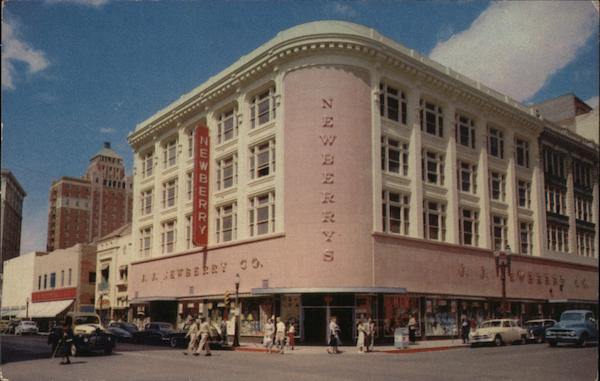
(345, 319)
(314, 325)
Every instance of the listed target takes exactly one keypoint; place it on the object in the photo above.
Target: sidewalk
(419, 346)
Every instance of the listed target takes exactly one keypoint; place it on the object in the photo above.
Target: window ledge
(226, 144)
(169, 170)
(226, 192)
(261, 180)
(169, 210)
(263, 127)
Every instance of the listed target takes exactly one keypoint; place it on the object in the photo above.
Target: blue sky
(76, 73)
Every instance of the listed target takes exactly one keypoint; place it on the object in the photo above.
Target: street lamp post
(27, 308)
(236, 335)
(503, 260)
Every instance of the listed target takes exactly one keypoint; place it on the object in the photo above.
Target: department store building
(350, 176)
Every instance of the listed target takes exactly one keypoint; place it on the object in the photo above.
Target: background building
(18, 285)
(350, 176)
(11, 217)
(82, 210)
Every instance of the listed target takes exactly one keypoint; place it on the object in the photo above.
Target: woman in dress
(362, 331)
(334, 334)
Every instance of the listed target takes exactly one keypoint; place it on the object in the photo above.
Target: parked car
(26, 327)
(4, 326)
(155, 333)
(215, 339)
(120, 334)
(575, 327)
(88, 335)
(129, 327)
(498, 332)
(536, 329)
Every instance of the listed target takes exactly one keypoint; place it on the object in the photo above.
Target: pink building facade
(336, 190)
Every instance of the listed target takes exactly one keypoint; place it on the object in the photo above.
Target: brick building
(84, 209)
(11, 217)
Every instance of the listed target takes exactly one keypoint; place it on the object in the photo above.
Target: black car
(88, 335)
(120, 334)
(129, 327)
(536, 329)
(158, 333)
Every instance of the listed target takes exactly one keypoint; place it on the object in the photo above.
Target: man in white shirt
(192, 333)
(280, 335)
(204, 336)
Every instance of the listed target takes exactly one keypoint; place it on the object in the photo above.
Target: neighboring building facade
(114, 254)
(11, 218)
(83, 210)
(18, 286)
(348, 176)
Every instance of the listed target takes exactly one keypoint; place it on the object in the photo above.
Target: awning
(355, 290)
(153, 299)
(46, 309)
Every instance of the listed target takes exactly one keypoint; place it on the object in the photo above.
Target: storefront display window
(290, 311)
(440, 317)
(366, 307)
(255, 313)
(397, 310)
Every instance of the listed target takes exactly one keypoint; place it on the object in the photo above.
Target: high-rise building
(12, 217)
(84, 209)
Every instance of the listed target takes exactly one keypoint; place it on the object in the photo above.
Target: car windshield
(492, 323)
(533, 324)
(28, 323)
(86, 320)
(165, 326)
(571, 316)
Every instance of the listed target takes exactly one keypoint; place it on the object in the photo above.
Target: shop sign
(201, 166)
(328, 177)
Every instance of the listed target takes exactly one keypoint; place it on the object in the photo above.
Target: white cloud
(515, 47)
(90, 3)
(105, 130)
(343, 9)
(16, 50)
(592, 102)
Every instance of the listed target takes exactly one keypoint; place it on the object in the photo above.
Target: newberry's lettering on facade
(201, 165)
(327, 160)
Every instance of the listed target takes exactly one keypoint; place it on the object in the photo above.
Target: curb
(387, 351)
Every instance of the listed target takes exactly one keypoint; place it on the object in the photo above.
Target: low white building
(18, 285)
(112, 266)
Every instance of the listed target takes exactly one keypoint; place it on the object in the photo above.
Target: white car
(498, 332)
(26, 327)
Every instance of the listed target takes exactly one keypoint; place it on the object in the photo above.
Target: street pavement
(24, 359)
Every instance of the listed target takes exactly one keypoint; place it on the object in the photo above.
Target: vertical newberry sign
(201, 161)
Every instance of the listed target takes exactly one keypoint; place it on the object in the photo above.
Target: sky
(76, 73)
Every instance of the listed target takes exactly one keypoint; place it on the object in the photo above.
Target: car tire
(108, 350)
(173, 342)
(523, 340)
(539, 339)
(498, 341)
(582, 340)
(552, 343)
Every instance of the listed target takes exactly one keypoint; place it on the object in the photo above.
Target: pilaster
(452, 218)
(414, 164)
(483, 185)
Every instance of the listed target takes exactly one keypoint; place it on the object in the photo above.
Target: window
(62, 278)
(92, 277)
(582, 174)
(558, 237)
(226, 227)
(583, 209)
(145, 241)
(526, 231)
(556, 200)
(146, 202)
(169, 194)
(53, 280)
(497, 186)
(170, 154)
(226, 126)
(168, 236)
(262, 159)
(147, 164)
(39, 282)
(499, 232)
(188, 231)
(395, 212)
(45, 281)
(554, 163)
(466, 177)
(70, 272)
(392, 103)
(432, 167)
(227, 172)
(434, 220)
(522, 152)
(394, 156)
(585, 243)
(496, 143)
(465, 131)
(432, 118)
(469, 227)
(190, 143)
(524, 190)
(262, 108)
(189, 187)
(261, 214)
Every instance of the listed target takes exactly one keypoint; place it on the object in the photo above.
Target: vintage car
(26, 327)
(575, 327)
(88, 335)
(165, 333)
(536, 329)
(215, 340)
(498, 332)
(5, 326)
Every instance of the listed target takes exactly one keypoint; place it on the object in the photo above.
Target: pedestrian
(204, 337)
(362, 331)
(193, 333)
(465, 328)
(268, 335)
(412, 329)
(280, 335)
(371, 335)
(291, 334)
(67, 340)
(334, 336)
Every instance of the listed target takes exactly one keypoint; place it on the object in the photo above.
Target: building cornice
(332, 37)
